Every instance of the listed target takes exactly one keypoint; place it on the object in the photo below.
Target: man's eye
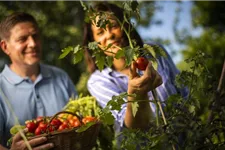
(22, 39)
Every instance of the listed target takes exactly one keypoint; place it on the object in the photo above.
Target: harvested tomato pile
(42, 125)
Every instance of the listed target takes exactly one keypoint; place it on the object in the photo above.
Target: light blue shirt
(44, 97)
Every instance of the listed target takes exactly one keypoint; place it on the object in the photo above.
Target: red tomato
(142, 63)
(56, 123)
(69, 116)
(76, 123)
(88, 119)
(66, 122)
(51, 128)
(31, 126)
(38, 131)
(42, 126)
(71, 121)
(63, 126)
(40, 118)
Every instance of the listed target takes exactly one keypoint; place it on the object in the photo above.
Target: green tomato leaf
(66, 51)
(77, 49)
(77, 57)
(155, 65)
(135, 106)
(85, 127)
(129, 54)
(93, 45)
(106, 116)
(100, 60)
(119, 54)
(109, 60)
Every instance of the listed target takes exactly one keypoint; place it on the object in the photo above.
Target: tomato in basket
(63, 127)
(42, 127)
(55, 123)
(31, 126)
(88, 119)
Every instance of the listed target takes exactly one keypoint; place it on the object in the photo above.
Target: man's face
(23, 46)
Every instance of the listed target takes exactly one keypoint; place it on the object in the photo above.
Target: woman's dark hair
(88, 34)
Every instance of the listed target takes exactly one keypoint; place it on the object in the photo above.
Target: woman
(113, 81)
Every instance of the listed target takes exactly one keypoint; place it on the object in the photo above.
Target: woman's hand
(143, 84)
(37, 144)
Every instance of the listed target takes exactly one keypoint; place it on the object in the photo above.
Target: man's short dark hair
(10, 21)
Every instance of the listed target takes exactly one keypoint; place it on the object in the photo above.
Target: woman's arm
(141, 85)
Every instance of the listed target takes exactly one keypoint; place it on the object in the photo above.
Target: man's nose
(31, 41)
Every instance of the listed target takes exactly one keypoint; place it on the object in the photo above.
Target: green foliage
(209, 14)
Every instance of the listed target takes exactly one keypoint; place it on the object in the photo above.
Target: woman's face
(111, 35)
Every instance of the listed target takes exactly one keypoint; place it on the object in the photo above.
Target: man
(29, 87)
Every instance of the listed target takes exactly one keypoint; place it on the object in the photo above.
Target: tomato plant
(141, 63)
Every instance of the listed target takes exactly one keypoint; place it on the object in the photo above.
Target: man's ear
(3, 45)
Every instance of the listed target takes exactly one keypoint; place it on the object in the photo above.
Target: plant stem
(159, 105)
(154, 93)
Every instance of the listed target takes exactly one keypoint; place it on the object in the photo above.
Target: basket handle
(61, 112)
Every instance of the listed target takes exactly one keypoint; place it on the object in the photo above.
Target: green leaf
(106, 116)
(78, 57)
(93, 45)
(85, 127)
(155, 65)
(77, 49)
(119, 54)
(150, 50)
(66, 51)
(109, 60)
(129, 53)
(135, 106)
(192, 109)
(154, 50)
(100, 60)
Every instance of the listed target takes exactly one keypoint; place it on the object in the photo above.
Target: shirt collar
(13, 78)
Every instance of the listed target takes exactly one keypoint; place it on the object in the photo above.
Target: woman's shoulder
(100, 76)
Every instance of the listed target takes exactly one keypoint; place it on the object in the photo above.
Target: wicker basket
(69, 139)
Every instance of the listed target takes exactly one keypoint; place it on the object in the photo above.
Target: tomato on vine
(141, 63)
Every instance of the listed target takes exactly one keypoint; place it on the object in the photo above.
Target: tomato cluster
(42, 125)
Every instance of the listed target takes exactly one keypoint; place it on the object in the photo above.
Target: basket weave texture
(69, 139)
